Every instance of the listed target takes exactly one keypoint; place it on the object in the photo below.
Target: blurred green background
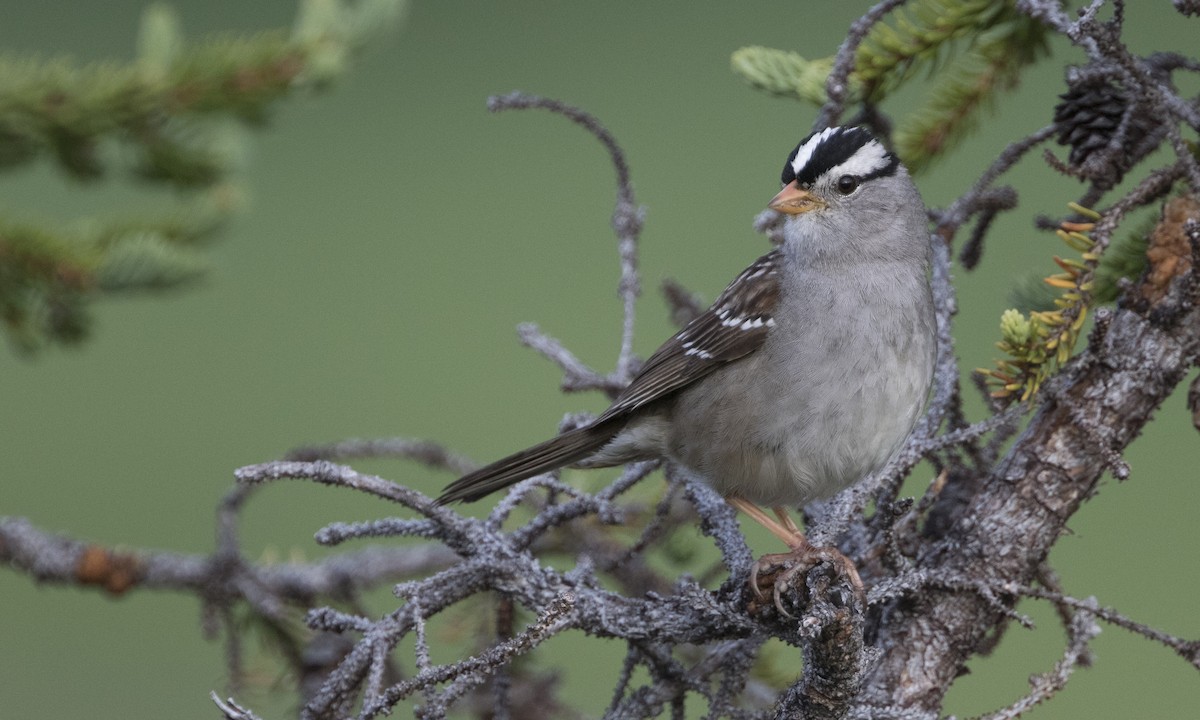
(396, 233)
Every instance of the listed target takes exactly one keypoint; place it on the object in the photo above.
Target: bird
(806, 374)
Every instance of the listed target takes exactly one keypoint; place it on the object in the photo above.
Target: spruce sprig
(1039, 343)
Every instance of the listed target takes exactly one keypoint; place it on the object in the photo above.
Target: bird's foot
(778, 571)
(783, 573)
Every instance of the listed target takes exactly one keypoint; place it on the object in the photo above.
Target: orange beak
(795, 200)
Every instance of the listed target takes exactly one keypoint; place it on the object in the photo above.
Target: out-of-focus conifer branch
(172, 117)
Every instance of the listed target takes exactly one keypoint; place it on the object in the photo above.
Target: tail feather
(571, 446)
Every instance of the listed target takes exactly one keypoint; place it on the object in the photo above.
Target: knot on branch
(1171, 252)
(1169, 287)
(114, 571)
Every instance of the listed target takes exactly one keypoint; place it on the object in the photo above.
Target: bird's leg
(779, 570)
(785, 518)
(785, 530)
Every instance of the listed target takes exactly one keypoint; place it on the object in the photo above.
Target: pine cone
(1089, 120)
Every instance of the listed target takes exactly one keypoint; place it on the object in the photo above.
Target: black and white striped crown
(838, 151)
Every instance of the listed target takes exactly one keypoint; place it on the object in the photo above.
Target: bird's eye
(847, 184)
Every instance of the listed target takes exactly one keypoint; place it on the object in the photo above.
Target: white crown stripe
(804, 154)
(870, 158)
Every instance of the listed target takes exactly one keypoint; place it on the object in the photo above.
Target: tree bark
(1136, 357)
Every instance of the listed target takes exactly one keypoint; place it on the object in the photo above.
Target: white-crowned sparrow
(806, 374)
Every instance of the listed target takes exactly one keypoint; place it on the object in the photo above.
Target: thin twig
(1081, 631)
(556, 617)
(627, 216)
(967, 204)
(426, 452)
(837, 85)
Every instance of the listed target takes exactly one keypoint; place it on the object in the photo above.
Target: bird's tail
(571, 446)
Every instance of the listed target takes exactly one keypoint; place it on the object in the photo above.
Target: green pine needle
(1123, 260)
(783, 73)
(914, 35)
(997, 43)
(967, 87)
(148, 261)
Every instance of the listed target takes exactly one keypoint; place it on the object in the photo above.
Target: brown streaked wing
(735, 326)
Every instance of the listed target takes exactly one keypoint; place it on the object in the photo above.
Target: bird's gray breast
(829, 398)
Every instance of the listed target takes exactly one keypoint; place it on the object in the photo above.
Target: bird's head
(843, 186)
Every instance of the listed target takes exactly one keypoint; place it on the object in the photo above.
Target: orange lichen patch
(115, 572)
(1169, 252)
